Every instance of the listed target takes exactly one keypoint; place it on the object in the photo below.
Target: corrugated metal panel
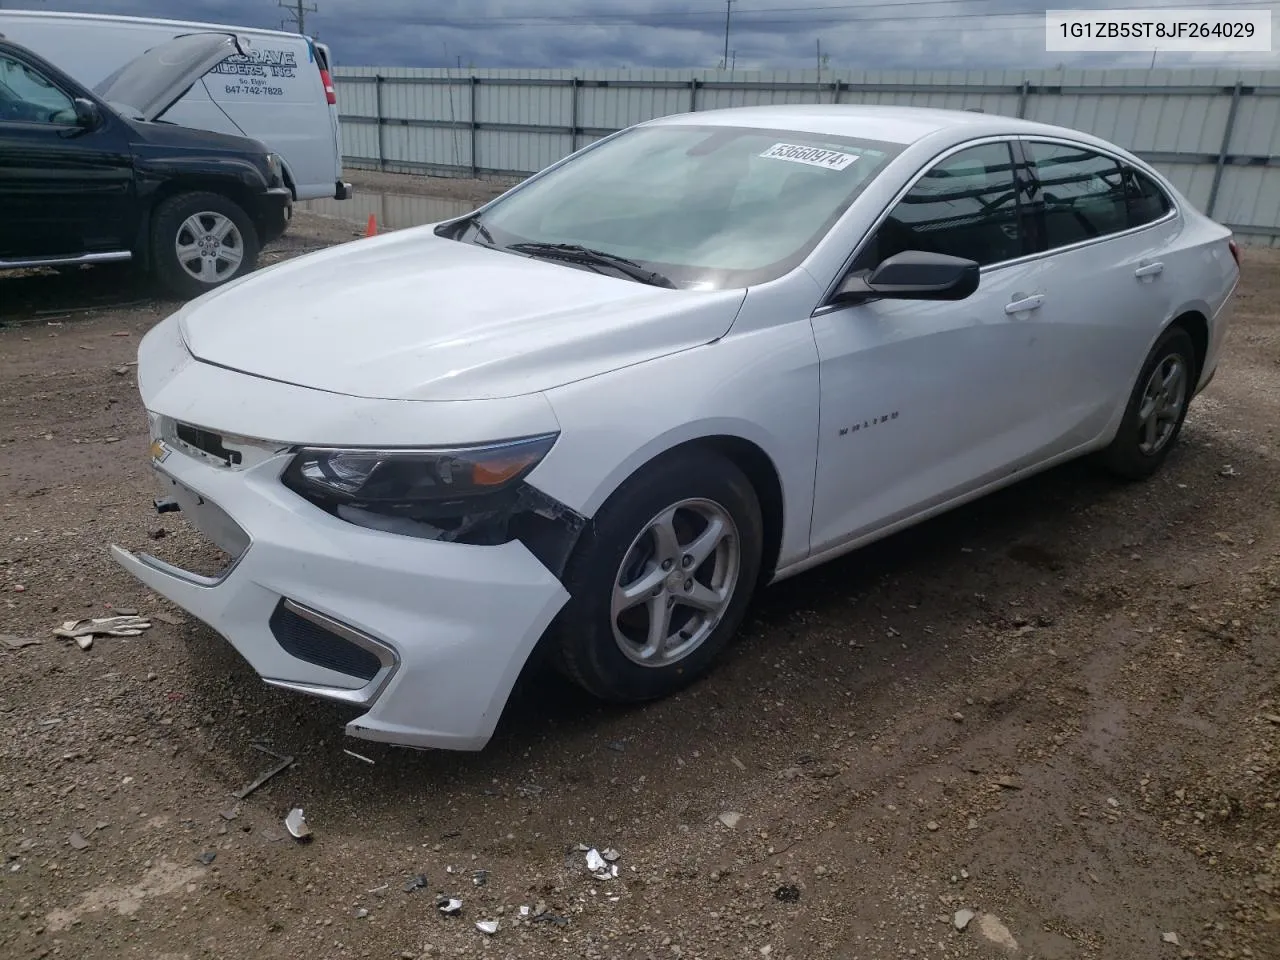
(523, 118)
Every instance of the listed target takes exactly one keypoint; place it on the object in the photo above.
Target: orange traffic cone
(371, 228)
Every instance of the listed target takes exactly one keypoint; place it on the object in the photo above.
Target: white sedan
(698, 356)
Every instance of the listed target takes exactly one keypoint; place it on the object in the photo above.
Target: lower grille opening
(312, 643)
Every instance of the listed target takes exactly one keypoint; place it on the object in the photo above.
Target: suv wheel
(200, 241)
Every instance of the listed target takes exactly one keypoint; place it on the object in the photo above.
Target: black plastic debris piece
(480, 878)
(787, 894)
(416, 883)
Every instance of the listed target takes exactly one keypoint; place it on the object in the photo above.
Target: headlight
(440, 494)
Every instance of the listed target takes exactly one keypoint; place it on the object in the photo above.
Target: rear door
(64, 190)
(1107, 230)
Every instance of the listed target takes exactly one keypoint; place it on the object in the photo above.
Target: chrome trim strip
(1175, 211)
(115, 256)
(361, 696)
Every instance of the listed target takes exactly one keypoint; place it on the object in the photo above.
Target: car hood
(147, 86)
(412, 316)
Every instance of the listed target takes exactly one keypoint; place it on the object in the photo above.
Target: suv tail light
(329, 94)
(1235, 251)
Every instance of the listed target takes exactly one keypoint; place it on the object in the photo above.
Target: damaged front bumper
(428, 638)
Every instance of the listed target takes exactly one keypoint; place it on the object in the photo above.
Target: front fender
(760, 386)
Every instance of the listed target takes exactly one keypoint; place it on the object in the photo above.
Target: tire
(584, 643)
(173, 224)
(1130, 454)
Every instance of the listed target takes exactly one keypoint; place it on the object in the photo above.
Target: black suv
(96, 177)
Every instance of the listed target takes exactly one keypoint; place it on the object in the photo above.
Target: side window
(965, 206)
(1081, 194)
(1147, 202)
(27, 97)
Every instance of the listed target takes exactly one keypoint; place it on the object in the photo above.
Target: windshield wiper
(575, 253)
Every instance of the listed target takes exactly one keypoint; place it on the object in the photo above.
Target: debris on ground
(77, 841)
(599, 867)
(284, 764)
(730, 819)
(480, 878)
(787, 894)
(487, 926)
(1007, 782)
(358, 756)
(995, 932)
(361, 913)
(83, 631)
(963, 918)
(448, 905)
(296, 824)
(207, 857)
(418, 882)
(17, 643)
(1170, 938)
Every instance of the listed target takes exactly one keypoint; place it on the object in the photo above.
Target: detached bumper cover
(445, 628)
(342, 190)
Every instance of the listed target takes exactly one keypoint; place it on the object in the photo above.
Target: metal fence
(1213, 133)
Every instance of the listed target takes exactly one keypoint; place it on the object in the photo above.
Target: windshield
(706, 206)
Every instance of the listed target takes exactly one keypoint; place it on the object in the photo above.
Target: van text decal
(255, 69)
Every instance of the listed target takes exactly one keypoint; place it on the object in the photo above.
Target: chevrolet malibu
(701, 355)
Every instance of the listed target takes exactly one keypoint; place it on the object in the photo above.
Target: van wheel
(200, 241)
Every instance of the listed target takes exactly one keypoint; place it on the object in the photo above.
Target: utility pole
(298, 11)
(728, 11)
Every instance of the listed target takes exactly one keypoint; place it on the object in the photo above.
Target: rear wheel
(200, 241)
(1157, 408)
(662, 579)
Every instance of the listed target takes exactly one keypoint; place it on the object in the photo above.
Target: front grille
(208, 442)
(312, 643)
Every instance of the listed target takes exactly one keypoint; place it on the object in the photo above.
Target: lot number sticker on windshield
(814, 156)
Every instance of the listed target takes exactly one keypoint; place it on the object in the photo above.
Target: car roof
(888, 124)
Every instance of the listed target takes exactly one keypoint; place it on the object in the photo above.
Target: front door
(64, 189)
(923, 401)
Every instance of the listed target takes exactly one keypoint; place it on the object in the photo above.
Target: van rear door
(324, 59)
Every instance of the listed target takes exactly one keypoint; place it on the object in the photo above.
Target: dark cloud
(765, 34)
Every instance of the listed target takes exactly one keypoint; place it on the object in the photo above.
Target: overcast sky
(765, 34)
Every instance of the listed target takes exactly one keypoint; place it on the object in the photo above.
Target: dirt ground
(1057, 708)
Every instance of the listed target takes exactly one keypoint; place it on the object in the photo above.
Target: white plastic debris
(296, 824)
(449, 905)
(489, 927)
(83, 631)
(524, 910)
(730, 819)
(599, 867)
(1170, 938)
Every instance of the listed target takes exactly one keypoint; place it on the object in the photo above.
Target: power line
(297, 11)
(687, 19)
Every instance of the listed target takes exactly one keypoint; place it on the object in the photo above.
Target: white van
(280, 93)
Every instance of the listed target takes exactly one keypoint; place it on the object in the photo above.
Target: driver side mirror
(912, 275)
(88, 116)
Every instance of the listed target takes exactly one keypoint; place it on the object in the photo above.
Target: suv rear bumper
(341, 190)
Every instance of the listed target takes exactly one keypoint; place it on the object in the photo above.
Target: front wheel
(1157, 408)
(200, 241)
(661, 580)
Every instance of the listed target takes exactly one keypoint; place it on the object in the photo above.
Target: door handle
(1024, 304)
(1149, 270)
